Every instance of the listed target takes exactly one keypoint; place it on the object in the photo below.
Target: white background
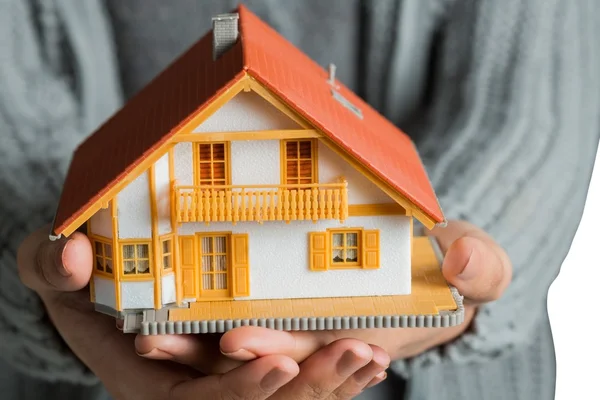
(573, 305)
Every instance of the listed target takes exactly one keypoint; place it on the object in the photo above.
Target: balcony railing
(238, 203)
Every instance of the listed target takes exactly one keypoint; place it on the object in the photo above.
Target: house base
(431, 304)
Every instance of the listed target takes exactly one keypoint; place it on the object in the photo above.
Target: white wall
(104, 291)
(163, 196)
(101, 223)
(279, 259)
(183, 164)
(247, 111)
(168, 289)
(133, 205)
(255, 162)
(360, 189)
(138, 294)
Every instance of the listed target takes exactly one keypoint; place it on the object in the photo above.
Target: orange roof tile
(192, 81)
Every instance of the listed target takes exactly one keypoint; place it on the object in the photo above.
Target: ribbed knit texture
(501, 97)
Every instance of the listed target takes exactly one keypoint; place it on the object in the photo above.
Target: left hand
(477, 266)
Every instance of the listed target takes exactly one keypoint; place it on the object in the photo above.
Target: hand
(473, 263)
(59, 271)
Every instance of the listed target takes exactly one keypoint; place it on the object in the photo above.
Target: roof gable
(191, 83)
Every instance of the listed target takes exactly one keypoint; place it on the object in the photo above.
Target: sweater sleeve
(509, 139)
(52, 93)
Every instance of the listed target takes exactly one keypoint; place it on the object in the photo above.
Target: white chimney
(225, 33)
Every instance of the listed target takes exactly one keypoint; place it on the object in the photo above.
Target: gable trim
(247, 135)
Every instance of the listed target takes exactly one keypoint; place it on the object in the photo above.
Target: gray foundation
(156, 322)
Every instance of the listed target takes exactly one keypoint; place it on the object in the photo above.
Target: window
(104, 256)
(214, 251)
(212, 164)
(136, 259)
(299, 164)
(167, 253)
(345, 248)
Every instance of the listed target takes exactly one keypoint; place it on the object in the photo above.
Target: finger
(476, 265)
(249, 342)
(255, 380)
(61, 265)
(371, 374)
(323, 372)
(198, 351)
(110, 354)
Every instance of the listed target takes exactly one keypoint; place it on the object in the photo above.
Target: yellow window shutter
(319, 257)
(371, 249)
(240, 265)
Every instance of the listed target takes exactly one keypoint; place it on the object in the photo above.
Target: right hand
(59, 272)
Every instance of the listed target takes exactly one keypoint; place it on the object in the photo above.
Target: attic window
(346, 103)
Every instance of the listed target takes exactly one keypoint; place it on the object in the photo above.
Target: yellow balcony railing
(238, 203)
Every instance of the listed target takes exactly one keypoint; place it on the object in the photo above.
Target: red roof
(190, 84)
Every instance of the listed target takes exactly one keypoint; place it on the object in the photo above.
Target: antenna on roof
(332, 69)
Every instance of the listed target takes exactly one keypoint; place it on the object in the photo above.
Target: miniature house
(245, 172)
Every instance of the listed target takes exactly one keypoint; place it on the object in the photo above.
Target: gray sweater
(501, 97)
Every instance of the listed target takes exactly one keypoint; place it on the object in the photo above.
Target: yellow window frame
(136, 276)
(103, 242)
(166, 253)
(314, 178)
(198, 181)
(345, 248)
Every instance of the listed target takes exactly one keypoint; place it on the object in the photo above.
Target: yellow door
(215, 279)
(188, 267)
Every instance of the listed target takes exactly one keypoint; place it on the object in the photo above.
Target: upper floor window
(299, 161)
(211, 164)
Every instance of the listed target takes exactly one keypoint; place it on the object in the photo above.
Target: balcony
(259, 203)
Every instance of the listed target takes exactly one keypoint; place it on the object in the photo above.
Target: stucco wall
(247, 111)
(101, 223)
(279, 259)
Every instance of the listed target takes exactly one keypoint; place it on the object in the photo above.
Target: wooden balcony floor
(430, 295)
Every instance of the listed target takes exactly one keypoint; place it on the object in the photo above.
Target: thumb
(61, 265)
(473, 262)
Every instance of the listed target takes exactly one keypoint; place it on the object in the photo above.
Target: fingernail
(380, 377)
(241, 355)
(59, 261)
(348, 363)
(469, 271)
(156, 354)
(275, 379)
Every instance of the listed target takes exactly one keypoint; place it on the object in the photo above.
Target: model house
(245, 173)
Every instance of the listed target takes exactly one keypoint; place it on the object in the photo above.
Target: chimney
(225, 33)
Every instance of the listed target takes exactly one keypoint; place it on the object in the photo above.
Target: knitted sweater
(501, 97)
